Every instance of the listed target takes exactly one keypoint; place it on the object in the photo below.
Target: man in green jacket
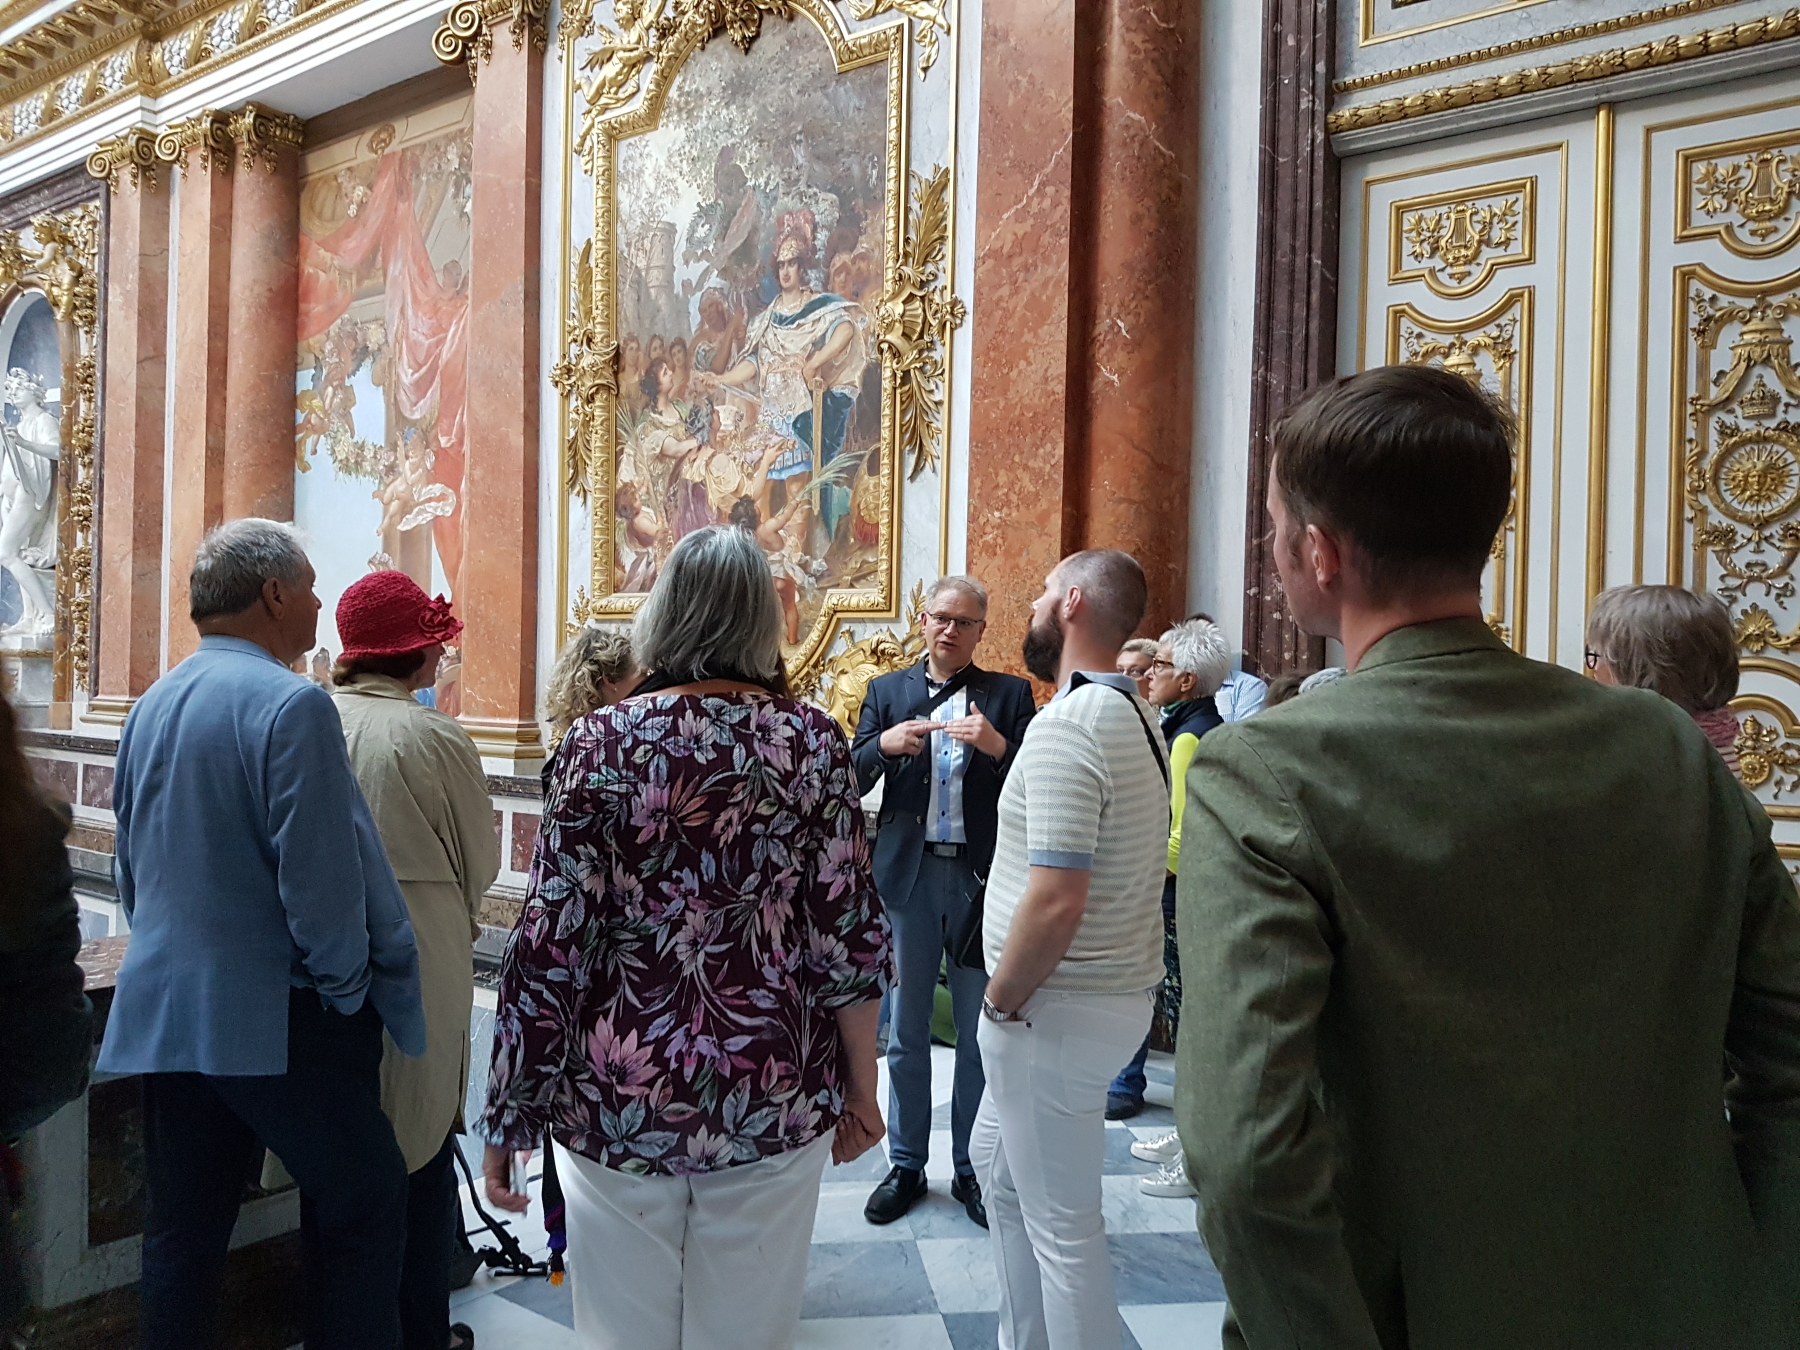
(1491, 1030)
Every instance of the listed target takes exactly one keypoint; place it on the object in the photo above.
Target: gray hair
(1669, 639)
(235, 560)
(1200, 649)
(962, 586)
(1113, 583)
(713, 608)
(1140, 647)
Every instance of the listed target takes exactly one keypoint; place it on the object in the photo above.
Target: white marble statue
(28, 456)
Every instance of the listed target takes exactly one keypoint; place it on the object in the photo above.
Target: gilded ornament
(589, 368)
(1576, 70)
(927, 16)
(915, 319)
(1748, 190)
(208, 132)
(262, 134)
(130, 155)
(1760, 401)
(1765, 756)
(1455, 241)
(467, 33)
(842, 682)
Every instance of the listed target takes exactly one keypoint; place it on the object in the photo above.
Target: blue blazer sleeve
(325, 868)
(865, 748)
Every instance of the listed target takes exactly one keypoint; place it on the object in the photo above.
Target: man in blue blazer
(270, 946)
(943, 734)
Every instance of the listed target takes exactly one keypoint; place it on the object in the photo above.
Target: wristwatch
(993, 1014)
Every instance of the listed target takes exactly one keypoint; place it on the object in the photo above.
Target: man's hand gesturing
(905, 739)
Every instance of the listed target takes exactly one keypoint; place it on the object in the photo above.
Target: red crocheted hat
(386, 614)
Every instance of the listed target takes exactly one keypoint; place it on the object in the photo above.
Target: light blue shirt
(949, 762)
(1240, 696)
(248, 864)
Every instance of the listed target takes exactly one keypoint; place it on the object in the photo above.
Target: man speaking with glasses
(943, 734)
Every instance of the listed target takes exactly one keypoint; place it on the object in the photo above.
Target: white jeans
(710, 1262)
(1038, 1146)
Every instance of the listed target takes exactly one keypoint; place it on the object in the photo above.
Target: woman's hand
(859, 1129)
(496, 1172)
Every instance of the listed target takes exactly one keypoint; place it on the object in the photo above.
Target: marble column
(262, 315)
(1296, 296)
(129, 637)
(497, 590)
(202, 149)
(1083, 311)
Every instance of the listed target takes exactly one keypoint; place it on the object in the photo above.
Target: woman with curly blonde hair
(595, 668)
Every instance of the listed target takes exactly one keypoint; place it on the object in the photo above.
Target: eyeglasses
(1159, 664)
(1591, 657)
(945, 622)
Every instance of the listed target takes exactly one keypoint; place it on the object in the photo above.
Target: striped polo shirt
(1086, 791)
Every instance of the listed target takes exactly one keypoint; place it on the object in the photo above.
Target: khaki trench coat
(422, 777)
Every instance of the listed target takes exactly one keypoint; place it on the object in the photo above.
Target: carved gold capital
(129, 156)
(467, 33)
(262, 134)
(209, 132)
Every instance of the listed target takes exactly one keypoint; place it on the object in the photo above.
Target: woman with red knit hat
(422, 776)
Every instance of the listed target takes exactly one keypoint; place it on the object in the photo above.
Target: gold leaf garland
(589, 367)
(914, 321)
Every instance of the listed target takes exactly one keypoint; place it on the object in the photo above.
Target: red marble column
(1083, 309)
(202, 340)
(129, 637)
(497, 591)
(262, 316)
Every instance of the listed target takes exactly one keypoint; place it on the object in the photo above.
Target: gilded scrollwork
(587, 373)
(208, 132)
(1455, 241)
(1744, 193)
(1491, 350)
(1740, 465)
(927, 16)
(916, 318)
(129, 156)
(58, 255)
(263, 134)
(842, 681)
(466, 36)
(1767, 756)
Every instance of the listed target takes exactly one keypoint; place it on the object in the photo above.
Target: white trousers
(709, 1262)
(1038, 1147)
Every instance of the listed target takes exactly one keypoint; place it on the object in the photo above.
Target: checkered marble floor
(926, 1282)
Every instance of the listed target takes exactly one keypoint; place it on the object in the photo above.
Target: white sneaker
(1161, 1149)
(1170, 1181)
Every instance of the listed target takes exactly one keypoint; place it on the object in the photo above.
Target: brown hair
(1283, 687)
(402, 667)
(592, 655)
(1668, 639)
(1414, 463)
(1113, 582)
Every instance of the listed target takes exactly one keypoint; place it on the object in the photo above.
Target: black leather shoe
(967, 1191)
(899, 1191)
(1122, 1108)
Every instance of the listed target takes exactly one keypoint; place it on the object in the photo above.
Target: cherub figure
(618, 61)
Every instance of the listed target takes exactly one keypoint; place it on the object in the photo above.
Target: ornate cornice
(1575, 70)
(466, 35)
(209, 132)
(262, 134)
(129, 155)
(1537, 42)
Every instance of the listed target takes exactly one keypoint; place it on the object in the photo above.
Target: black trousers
(431, 1204)
(323, 1120)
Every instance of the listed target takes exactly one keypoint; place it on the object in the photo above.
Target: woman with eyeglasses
(1675, 642)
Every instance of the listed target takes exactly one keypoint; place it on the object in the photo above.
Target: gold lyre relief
(1491, 350)
(1744, 193)
(1455, 241)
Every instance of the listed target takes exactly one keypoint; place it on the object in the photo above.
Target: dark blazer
(1007, 703)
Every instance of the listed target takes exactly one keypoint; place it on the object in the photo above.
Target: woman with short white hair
(688, 1001)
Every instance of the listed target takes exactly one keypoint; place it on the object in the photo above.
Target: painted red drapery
(427, 327)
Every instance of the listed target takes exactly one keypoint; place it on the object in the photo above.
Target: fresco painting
(751, 236)
(379, 432)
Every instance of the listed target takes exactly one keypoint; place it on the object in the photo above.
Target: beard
(1044, 648)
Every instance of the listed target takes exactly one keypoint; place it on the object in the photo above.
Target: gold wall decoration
(1739, 458)
(623, 76)
(1491, 350)
(915, 320)
(1455, 241)
(1499, 51)
(209, 132)
(927, 16)
(843, 680)
(1768, 749)
(262, 134)
(1576, 70)
(1746, 193)
(130, 154)
(58, 255)
(466, 35)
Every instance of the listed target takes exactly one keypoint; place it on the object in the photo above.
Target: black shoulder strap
(1150, 736)
(949, 691)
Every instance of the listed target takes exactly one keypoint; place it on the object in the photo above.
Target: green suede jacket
(1491, 1028)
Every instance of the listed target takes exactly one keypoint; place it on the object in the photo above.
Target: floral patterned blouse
(701, 901)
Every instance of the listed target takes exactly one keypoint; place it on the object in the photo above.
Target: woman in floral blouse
(688, 1002)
